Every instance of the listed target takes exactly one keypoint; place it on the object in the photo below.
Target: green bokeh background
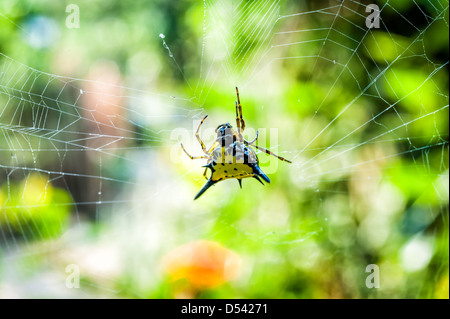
(362, 114)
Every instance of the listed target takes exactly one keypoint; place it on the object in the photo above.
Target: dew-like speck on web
(334, 61)
(162, 36)
(99, 193)
(81, 91)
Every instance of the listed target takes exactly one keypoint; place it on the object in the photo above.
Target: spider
(231, 156)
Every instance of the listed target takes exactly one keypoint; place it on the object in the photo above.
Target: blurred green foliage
(31, 211)
(379, 196)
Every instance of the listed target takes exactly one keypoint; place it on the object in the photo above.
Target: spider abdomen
(234, 161)
(221, 171)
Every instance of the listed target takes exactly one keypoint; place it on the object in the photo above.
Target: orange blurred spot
(204, 264)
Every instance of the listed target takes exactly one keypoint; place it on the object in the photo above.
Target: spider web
(97, 150)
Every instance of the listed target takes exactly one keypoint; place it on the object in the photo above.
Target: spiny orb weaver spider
(231, 156)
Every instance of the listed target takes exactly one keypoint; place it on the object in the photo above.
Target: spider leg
(270, 153)
(238, 122)
(240, 111)
(193, 157)
(215, 144)
(254, 140)
(197, 135)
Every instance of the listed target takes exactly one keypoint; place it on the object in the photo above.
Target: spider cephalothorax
(222, 129)
(231, 155)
